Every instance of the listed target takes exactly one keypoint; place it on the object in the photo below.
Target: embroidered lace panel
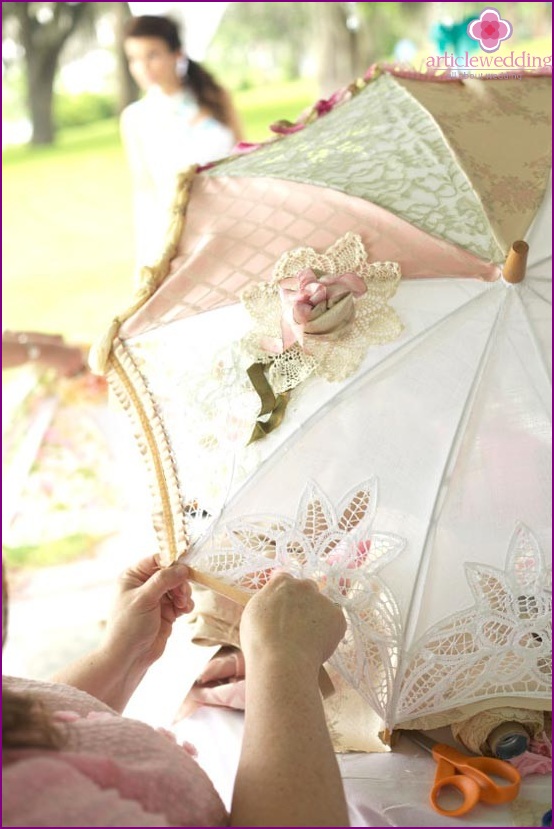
(339, 550)
(382, 146)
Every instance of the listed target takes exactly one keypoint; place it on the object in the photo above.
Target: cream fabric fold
(501, 132)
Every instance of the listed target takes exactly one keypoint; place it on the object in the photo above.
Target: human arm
(288, 774)
(232, 118)
(150, 600)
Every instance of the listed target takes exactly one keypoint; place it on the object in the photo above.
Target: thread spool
(508, 740)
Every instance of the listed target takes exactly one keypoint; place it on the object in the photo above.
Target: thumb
(163, 580)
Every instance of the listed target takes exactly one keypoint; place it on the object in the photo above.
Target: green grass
(61, 551)
(261, 107)
(67, 220)
(68, 238)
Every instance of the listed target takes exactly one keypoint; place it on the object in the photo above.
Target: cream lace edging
(133, 395)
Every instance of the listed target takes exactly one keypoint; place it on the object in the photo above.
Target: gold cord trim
(149, 434)
(150, 277)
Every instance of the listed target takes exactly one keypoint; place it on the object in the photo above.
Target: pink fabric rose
(325, 105)
(321, 306)
(284, 127)
(244, 147)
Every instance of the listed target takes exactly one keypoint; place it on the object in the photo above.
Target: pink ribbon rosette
(321, 306)
(320, 313)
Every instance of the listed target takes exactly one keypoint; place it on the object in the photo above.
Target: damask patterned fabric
(385, 148)
(501, 134)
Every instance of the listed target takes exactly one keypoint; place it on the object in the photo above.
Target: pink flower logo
(490, 30)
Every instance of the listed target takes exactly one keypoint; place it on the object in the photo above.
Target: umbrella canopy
(327, 371)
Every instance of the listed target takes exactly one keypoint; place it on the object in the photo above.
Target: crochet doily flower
(321, 312)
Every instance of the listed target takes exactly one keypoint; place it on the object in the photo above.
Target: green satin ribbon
(271, 404)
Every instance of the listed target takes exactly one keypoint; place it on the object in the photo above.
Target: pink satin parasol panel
(236, 229)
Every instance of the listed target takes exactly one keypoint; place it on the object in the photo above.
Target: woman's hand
(288, 774)
(289, 618)
(150, 599)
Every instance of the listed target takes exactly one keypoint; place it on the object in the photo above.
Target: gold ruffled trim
(134, 396)
(151, 277)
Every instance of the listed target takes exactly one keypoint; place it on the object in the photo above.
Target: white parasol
(400, 431)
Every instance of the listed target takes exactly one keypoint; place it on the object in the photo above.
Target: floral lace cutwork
(340, 551)
(499, 647)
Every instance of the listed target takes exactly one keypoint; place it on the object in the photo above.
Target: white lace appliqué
(344, 334)
(341, 552)
(499, 647)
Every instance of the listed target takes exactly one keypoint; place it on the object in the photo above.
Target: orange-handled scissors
(473, 777)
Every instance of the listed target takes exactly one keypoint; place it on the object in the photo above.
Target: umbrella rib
(346, 391)
(542, 261)
(439, 501)
(538, 295)
(538, 352)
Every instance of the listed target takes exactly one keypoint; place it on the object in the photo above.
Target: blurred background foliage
(68, 243)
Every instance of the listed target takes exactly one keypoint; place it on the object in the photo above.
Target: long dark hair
(207, 91)
(27, 723)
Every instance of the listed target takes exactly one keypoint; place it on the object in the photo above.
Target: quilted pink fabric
(113, 772)
(237, 228)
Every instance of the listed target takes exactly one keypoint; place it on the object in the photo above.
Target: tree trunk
(41, 70)
(344, 53)
(127, 90)
(43, 43)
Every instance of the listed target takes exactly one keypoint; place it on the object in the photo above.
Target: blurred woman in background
(185, 118)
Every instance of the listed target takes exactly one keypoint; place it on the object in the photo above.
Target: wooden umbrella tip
(516, 262)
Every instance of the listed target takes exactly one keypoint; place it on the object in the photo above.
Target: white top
(162, 137)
